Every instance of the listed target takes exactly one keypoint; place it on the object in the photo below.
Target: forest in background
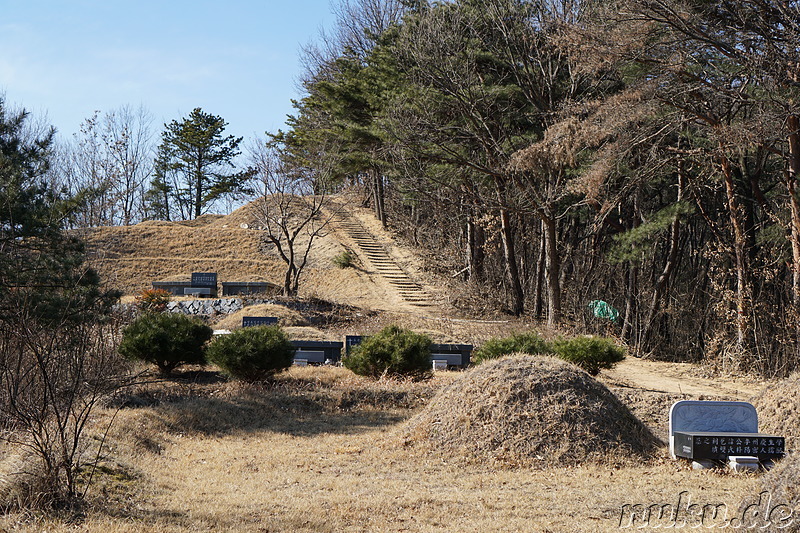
(553, 153)
(547, 154)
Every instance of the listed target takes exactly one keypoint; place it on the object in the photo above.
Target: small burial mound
(778, 408)
(529, 411)
(774, 505)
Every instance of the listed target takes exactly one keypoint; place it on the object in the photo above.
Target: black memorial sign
(351, 341)
(249, 321)
(204, 279)
(718, 446)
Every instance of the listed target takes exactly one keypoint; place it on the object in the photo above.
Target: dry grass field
(320, 449)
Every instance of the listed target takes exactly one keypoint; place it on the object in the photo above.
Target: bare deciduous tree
(292, 208)
(53, 374)
(109, 161)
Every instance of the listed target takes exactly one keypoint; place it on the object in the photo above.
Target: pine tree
(57, 357)
(195, 155)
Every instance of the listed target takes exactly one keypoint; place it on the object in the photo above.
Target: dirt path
(677, 378)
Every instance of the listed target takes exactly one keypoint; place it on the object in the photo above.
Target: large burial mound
(530, 411)
(778, 408)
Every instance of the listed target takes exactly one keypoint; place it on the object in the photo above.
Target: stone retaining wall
(206, 306)
(217, 306)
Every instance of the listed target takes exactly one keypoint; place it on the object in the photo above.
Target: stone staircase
(375, 254)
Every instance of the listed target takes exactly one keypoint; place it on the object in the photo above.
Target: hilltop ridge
(385, 274)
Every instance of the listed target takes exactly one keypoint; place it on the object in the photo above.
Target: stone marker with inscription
(250, 321)
(205, 280)
(712, 432)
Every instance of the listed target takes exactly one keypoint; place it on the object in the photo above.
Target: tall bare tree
(291, 206)
(109, 162)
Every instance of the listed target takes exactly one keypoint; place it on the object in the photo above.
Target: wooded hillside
(640, 152)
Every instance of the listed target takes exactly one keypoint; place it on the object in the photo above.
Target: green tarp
(603, 309)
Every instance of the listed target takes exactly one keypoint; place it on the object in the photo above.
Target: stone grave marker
(710, 432)
(205, 280)
(317, 351)
(250, 321)
(230, 288)
(176, 288)
(457, 355)
(197, 291)
(351, 341)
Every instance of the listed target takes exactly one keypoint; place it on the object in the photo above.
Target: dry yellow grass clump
(778, 407)
(530, 411)
(781, 492)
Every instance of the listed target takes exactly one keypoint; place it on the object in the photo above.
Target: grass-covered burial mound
(775, 503)
(778, 408)
(529, 411)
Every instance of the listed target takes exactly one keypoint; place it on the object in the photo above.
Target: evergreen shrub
(590, 353)
(394, 351)
(528, 343)
(252, 354)
(167, 340)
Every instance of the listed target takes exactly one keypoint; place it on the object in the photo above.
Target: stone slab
(310, 356)
(693, 416)
(250, 321)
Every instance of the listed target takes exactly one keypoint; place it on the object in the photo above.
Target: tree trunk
(794, 205)
(378, 195)
(167, 215)
(552, 268)
(631, 286)
(669, 265)
(475, 257)
(198, 188)
(538, 297)
(510, 255)
(740, 258)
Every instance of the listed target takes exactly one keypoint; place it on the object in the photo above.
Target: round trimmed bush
(393, 351)
(524, 343)
(589, 353)
(167, 340)
(252, 354)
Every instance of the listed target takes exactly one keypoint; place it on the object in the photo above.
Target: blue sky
(239, 59)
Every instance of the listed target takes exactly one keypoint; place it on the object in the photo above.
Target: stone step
(384, 264)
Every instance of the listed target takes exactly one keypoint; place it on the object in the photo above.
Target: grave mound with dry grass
(778, 408)
(529, 411)
(780, 491)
